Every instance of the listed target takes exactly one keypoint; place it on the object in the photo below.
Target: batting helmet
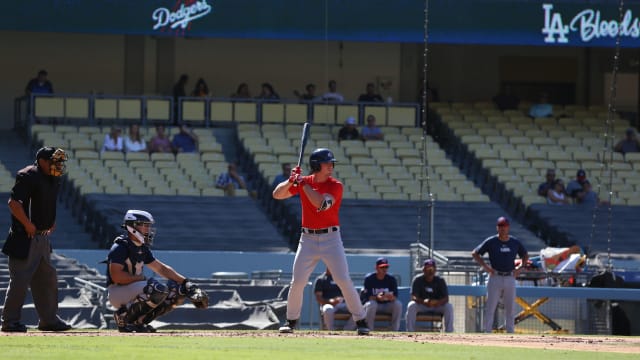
(133, 219)
(320, 156)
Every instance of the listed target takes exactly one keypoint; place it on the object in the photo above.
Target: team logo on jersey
(180, 16)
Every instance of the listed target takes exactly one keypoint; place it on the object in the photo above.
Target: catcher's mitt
(199, 298)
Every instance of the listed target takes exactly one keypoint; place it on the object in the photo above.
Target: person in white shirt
(113, 141)
(332, 95)
(134, 142)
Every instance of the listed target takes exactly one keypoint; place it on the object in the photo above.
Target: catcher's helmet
(320, 156)
(135, 218)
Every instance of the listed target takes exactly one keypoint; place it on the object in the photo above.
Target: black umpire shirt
(38, 193)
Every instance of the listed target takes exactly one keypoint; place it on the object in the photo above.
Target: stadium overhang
(579, 23)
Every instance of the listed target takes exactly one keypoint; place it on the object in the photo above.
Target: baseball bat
(303, 141)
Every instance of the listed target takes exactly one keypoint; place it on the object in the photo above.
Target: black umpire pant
(37, 272)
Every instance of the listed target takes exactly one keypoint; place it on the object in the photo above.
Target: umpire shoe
(59, 326)
(288, 327)
(363, 328)
(14, 327)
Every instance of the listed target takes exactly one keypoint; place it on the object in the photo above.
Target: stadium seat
(112, 155)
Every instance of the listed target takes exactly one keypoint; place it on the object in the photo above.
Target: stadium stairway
(15, 154)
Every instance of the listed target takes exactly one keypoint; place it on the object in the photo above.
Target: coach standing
(502, 249)
(33, 218)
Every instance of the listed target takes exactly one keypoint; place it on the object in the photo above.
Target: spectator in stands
(201, 89)
(590, 198)
(575, 188)
(231, 180)
(429, 293)
(133, 141)
(506, 100)
(179, 87)
(39, 84)
(329, 297)
(286, 172)
(370, 95)
(267, 92)
(185, 141)
(349, 130)
(113, 141)
(371, 131)
(543, 189)
(381, 292)
(630, 143)
(556, 195)
(309, 95)
(332, 95)
(160, 142)
(541, 109)
(242, 92)
(178, 92)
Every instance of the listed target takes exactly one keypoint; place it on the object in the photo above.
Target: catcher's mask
(320, 156)
(57, 159)
(139, 223)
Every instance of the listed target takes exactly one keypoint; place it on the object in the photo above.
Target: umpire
(33, 218)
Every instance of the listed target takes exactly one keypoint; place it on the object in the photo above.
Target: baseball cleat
(363, 328)
(288, 327)
(136, 328)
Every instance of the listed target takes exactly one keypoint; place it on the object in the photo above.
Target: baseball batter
(320, 196)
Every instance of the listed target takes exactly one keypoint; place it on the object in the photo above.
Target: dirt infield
(615, 344)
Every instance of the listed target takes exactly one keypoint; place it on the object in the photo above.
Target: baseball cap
(429, 262)
(382, 262)
(581, 173)
(45, 153)
(351, 120)
(502, 221)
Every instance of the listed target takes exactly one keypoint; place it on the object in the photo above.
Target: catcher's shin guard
(173, 299)
(154, 295)
(158, 311)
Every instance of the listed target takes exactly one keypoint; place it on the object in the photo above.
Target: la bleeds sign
(180, 16)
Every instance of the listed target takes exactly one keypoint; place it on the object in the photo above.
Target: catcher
(140, 300)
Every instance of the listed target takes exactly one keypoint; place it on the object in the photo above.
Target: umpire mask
(56, 158)
(58, 165)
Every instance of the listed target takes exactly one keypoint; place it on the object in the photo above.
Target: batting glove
(299, 180)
